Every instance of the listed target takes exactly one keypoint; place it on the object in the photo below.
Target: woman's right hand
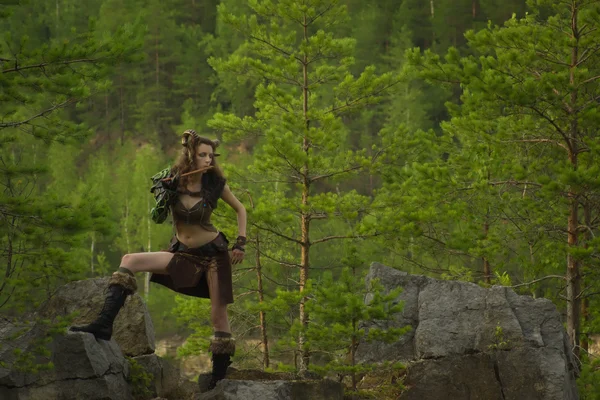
(171, 183)
(237, 256)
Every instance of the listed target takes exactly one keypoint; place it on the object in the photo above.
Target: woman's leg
(222, 345)
(121, 284)
(218, 310)
(155, 262)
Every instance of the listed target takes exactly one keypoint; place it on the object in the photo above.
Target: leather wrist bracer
(239, 244)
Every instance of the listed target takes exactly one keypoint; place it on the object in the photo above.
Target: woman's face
(204, 155)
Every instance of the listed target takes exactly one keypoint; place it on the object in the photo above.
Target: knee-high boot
(222, 347)
(120, 286)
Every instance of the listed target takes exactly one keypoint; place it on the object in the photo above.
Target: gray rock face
(455, 352)
(167, 381)
(83, 367)
(90, 369)
(275, 390)
(133, 330)
(257, 384)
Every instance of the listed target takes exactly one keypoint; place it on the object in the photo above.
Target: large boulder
(167, 381)
(133, 329)
(81, 366)
(469, 342)
(88, 369)
(253, 384)
(83, 369)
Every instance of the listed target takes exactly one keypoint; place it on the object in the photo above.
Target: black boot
(220, 364)
(117, 292)
(222, 348)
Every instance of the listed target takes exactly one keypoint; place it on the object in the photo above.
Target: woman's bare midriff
(194, 235)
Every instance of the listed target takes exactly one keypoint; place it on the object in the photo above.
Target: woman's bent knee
(130, 261)
(127, 260)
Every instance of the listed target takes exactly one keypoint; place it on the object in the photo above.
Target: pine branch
(537, 141)
(41, 114)
(336, 110)
(328, 238)
(537, 280)
(46, 64)
(280, 262)
(318, 177)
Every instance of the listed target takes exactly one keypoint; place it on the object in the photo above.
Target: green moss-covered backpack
(164, 192)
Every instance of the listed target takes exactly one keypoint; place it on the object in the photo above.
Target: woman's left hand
(237, 256)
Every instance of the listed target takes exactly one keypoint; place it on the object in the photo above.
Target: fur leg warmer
(222, 345)
(124, 280)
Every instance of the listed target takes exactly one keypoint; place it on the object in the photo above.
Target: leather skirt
(188, 269)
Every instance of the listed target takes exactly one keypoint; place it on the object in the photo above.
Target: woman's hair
(213, 180)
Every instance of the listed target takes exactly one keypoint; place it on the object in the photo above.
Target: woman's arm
(229, 198)
(237, 252)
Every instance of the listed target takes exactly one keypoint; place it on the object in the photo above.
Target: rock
(204, 381)
(229, 389)
(84, 368)
(132, 330)
(246, 375)
(454, 350)
(167, 381)
(257, 384)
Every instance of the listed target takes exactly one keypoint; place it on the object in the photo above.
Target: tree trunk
(304, 262)
(585, 317)
(122, 109)
(487, 273)
(585, 301)
(9, 260)
(157, 122)
(127, 241)
(353, 355)
(92, 253)
(57, 17)
(305, 218)
(261, 300)
(573, 274)
(432, 29)
(573, 277)
(149, 249)
(107, 119)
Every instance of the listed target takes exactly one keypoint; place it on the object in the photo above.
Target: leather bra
(198, 214)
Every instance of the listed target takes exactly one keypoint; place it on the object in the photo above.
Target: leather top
(198, 214)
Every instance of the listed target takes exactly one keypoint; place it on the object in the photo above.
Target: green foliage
(589, 379)
(194, 314)
(304, 89)
(93, 94)
(487, 193)
(503, 278)
(41, 84)
(500, 343)
(139, 379)
(37, 356)
(338, 311)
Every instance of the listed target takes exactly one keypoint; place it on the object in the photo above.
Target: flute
(189, 173)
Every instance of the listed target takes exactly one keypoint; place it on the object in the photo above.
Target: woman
(198, 261)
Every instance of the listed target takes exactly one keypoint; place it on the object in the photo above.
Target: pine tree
(305, 89)
(338, 312)
(530, 107)
(41, 81)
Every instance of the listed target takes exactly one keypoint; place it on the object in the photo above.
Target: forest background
(451, 138)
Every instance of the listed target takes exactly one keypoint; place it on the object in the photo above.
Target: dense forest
(455, 139)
